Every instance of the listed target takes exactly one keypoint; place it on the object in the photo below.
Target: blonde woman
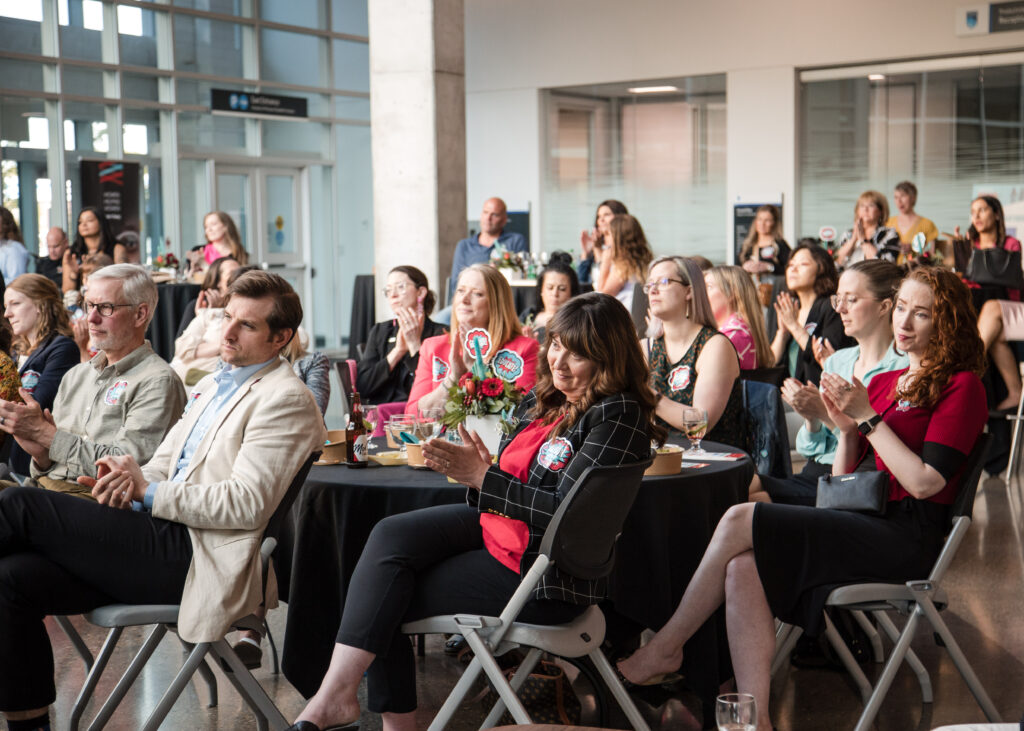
(625, 260)
(869, 238)
(764, 251)
(222, 239)
(737, 311)
(483, 303)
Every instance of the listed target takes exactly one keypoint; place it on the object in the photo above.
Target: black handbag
(859, 492)
(996, 267)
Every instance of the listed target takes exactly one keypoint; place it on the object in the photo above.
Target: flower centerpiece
(166, 261)
(509, 263)
(481, 392)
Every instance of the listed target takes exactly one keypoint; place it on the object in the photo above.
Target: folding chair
(116, 617)
(580, 540)
(919, 599)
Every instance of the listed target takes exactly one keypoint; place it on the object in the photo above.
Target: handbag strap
(867, 445)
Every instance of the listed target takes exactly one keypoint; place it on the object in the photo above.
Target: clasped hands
(118, 481)
(847, 403)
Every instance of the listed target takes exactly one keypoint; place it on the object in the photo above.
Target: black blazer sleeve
(827, 325)
(783, 257)
(611, 432)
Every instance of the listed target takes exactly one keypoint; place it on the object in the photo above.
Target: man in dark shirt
(50, 265)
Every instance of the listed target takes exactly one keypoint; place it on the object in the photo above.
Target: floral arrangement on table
(480, 391)
(166, 261)
(502, 258)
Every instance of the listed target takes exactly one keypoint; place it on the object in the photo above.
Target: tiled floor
(986, 615)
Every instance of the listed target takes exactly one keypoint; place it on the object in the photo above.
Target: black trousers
(799, 489)
(60, 554)
(422, 564)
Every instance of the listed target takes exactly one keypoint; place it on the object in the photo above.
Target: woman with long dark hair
(767, 561)
(556, 285)
(593, 241)
(93, 235)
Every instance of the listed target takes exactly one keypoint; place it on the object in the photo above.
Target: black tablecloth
(170, 308)
(664, 538)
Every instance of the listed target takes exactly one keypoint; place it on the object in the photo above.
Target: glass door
(267, 204)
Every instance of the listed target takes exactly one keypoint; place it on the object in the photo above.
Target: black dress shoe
(310, 726)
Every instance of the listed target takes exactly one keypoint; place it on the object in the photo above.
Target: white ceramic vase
(487, 427)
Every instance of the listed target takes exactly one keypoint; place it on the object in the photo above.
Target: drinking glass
(399, 423)
(372, 417)
(736, 712)
(695, 425)
(430, 423)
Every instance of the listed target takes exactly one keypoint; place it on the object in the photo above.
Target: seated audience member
(869, 238)
(94, 236)
(907, 223)
(764, 251)
(595, 240)
(1001, 321)
(201, 505)
(123, 401)
(222, 240)
(779, 561)
(42, 344)
(386, 371)
(313, 369)
(624, 260)
(805, 315)
(864, 302)
(988, 231)
(477, 249)
(555, 285)
(483, 301)
(75, 300)
(197, 350)
(13, 254)
(737, 312)
(10, 382)
(51, 266)
(691, 363)
(592, 397)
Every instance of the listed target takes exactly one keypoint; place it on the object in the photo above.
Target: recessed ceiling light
(876, 77)
(652, 89)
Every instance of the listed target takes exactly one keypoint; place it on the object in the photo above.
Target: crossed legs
(727, 573)
(990, 327)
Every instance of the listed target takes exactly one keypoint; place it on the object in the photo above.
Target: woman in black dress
(386, 370)
(768, 560)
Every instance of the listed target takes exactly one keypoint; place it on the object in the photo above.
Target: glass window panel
(151, 232)
(77, 38)
(87, 131)
(953, 133)
(349, 16)
(21, 26)
(303, 137)
(137, 35)
(308, 14)
(135, 86)
(92, 14)
(25, 75)
(207, 46)
(224, 7)
(234, 199)
(351, 107)
(83, 82)
(194, 202)
(664, 157)
(351, 65)
(27, 193)
(141, 132)
(209, 131)
(353, 220)
(292, 58)
(280, 204)
(15, 114)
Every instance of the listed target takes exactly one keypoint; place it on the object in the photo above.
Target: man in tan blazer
(190, 521)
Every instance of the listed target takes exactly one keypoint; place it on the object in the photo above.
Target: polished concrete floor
(986, 614)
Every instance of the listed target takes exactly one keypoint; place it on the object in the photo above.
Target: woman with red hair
(767, 560)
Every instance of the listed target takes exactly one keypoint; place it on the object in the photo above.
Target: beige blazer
(238, 475)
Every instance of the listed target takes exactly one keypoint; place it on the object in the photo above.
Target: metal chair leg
(611, 680)
(76, 640)
(267, 714)
(867, 718)
(1015, 439)
(839, 645)
(273, 647)
(93, 677)
(134, 668)
(872, 633)
(786, 639)
(192, 663)
(912, 660)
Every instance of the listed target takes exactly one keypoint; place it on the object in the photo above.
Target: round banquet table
(173, 299)
(662, 543)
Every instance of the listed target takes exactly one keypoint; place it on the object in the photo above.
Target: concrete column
(761, 166)
(418, 121)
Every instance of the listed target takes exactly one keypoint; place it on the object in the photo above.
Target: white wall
(513, 49)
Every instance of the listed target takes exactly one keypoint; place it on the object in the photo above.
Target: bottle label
(359, 450)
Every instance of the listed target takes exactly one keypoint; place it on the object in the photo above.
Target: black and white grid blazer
(612, 432)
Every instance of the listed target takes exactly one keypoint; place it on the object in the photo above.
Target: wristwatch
(866, 427)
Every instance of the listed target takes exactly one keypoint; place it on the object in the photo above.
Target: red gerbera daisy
(492, 387)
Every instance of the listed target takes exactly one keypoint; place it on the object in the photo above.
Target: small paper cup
(415, 452)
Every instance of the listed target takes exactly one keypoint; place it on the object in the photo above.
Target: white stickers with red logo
(438, 370)
(29, 379)
(114, 393)
(478, 337)
(508, 364)
(555, 454)
(679, 378)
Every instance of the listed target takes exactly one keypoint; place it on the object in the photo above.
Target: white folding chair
(116, 617)
(580, 540)
(917, 600)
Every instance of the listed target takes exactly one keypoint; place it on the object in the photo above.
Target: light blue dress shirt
(228, 379)
(13, 259)
(822, 444)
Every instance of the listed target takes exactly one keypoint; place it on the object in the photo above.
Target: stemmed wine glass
(736, 712)
(430, 423)
(695, 425)
(399, 423)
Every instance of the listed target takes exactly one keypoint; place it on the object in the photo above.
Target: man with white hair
(122, 402)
